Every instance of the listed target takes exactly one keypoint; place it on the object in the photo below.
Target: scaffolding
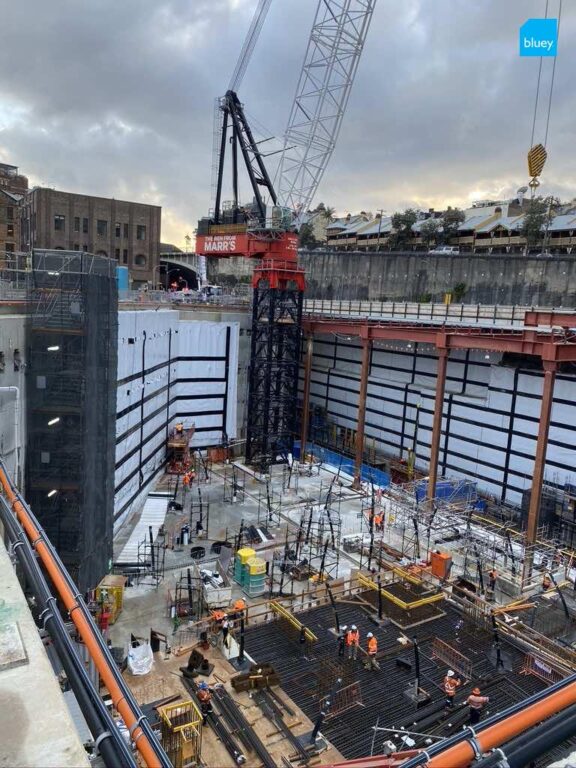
(416, 526)
(181, 727)
(71, 403)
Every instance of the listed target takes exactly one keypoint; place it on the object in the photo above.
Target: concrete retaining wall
(497, 279)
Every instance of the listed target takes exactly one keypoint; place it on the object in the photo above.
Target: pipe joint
(101, 737)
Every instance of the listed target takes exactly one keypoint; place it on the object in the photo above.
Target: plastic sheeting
(481, 438)
(169, 370)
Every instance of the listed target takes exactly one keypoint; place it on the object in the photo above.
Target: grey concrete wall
(496, 279)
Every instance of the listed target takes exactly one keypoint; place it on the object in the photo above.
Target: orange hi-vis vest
(353, 638)
(476, 702)
(372, 646)
(450, 685)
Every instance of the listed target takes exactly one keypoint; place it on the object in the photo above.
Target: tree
(451, 220)
(402, 227)
(534, 221)
(429, 230)
(306, 237)
(329, 213)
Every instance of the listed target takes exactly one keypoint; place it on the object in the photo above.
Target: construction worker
(372, 650)
(378, 521)
(476, 701)
(353, 641)
(451, 682)
(342, 637)
(179, 428)
(205, 699)
(105, 616)
(225, 629)
(302, 641)
(492, 576)
(546, 582)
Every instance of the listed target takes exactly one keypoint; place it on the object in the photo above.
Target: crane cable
(537, 99)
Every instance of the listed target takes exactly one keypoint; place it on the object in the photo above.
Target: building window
(76, 246)
(59, 222)
(9, 247)
(140, 260)
(102, 227)
(10, 230)
(118, 229)
(10, 213)
(126, 231)
(140, 232)
(125, 256)
(76, 223)
(117, 253)
(85, 248)
(85, 226)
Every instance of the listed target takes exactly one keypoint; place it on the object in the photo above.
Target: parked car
(447, 250)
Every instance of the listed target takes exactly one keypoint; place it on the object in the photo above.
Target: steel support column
(361, 420)
(550, 368)
(437, 421)
(306, 397)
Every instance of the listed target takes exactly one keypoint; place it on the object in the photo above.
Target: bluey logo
(539, 37)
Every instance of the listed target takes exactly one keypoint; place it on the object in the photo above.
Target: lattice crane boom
(336, 42)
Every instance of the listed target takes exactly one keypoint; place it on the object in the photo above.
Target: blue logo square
(539, 37)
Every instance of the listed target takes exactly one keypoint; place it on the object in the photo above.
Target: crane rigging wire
(553, 74)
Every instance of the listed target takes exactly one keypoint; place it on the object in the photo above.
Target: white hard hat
(369, 634)
(450, 673)
(354, 626)
(345, 626)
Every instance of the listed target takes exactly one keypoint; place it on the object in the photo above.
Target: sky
(116, 98)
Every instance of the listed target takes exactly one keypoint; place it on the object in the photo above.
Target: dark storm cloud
(116, 98)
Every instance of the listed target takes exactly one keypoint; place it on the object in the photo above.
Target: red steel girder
(526, 341)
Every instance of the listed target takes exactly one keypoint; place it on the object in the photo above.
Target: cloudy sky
(115, 98)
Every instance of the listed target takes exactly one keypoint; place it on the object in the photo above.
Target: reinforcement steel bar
(218, 727)
(139, 727)
(273, 713)
(279, 610)
(242, 727)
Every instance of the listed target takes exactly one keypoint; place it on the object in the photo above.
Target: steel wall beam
(361, 419)
(539, 466)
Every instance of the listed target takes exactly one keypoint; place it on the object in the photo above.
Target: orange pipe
(462, 754)
(82, 625)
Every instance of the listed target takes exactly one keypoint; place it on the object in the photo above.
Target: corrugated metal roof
(371, 227)
(417, 226)
(508, 222)
(564, 221)
(473, 223)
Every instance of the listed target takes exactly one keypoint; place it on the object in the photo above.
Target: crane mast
(265, 230)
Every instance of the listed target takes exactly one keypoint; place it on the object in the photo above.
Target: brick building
(127, 232)
(13, 187)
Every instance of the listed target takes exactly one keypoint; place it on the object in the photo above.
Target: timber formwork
(309, 678)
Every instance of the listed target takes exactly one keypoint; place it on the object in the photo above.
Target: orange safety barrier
(82, 625)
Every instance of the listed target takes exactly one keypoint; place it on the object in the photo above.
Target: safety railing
(533, 665)
(496, 315)
(453, 658)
